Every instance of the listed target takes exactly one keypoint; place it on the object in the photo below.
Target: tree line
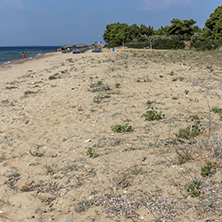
(168, 37)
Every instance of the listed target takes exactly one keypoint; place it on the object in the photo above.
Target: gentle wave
(13, 54)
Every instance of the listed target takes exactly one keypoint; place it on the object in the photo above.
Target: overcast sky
(58, 22)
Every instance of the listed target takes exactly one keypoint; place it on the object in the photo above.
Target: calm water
(12, 54)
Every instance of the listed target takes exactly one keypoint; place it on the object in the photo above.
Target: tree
(218, 29)
(213, 25)
(163, 30)
(148, 31)
(115, 34)
(133, 33)
(182, 28)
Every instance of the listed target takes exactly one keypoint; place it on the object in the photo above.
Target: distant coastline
(10, 54)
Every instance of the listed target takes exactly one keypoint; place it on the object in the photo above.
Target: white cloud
(161, 4)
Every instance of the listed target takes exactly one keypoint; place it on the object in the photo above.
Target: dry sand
(55, 108)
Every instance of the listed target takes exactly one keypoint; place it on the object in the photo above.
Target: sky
(59, 22)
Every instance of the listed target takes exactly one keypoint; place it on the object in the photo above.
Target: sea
(9, 54)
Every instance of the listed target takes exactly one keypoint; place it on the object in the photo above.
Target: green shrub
(193, 188)
(205, 171)
(166, 42)
(217, 110)
(36, 154)
(29, 92)
(153, 114)
(206, 44)
(121, 128)
(138, 45)
(99, 86)
(117, 85)
(90, 152)
(190, 131)
(149, 102)
(100, 98)
(186, 91)
(52, 77)
(159, 42)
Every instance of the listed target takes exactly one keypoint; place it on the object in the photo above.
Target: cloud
(161, 4)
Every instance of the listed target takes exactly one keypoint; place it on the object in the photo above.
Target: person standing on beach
(23, 55)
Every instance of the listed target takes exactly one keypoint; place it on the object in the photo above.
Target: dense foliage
(211, 35)
(183, 29)
(168, 37)
(117, 33)
(159, 42)
(213, 25)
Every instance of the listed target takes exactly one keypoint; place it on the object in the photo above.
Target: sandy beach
(61, 161)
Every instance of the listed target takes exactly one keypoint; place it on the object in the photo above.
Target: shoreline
(13, 54)
(18, 69)
(25, 60)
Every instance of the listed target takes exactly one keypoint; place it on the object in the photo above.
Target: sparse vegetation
(117, 85)
(190, 131)
(36, 154)
(28, 92)
(143, 79)
(183, 156)
(70, 60)
(150, 171)
(178, 78)
(194, 188)
(52, 77)
(11, 87)
(186, 91)
(99, 86)
(152, 114)
(121, 128)
(205, 171)
(217, 110)
(149, 102)
(171, 73)
(90, 152)
(64, 71)
(80, 109)
(212, 145)
(100, 98)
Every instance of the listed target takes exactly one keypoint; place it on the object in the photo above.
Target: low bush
(121, 128)
(207, 45)
(152, 114)
(159, 42)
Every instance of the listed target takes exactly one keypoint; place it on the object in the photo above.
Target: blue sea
(12, 53)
